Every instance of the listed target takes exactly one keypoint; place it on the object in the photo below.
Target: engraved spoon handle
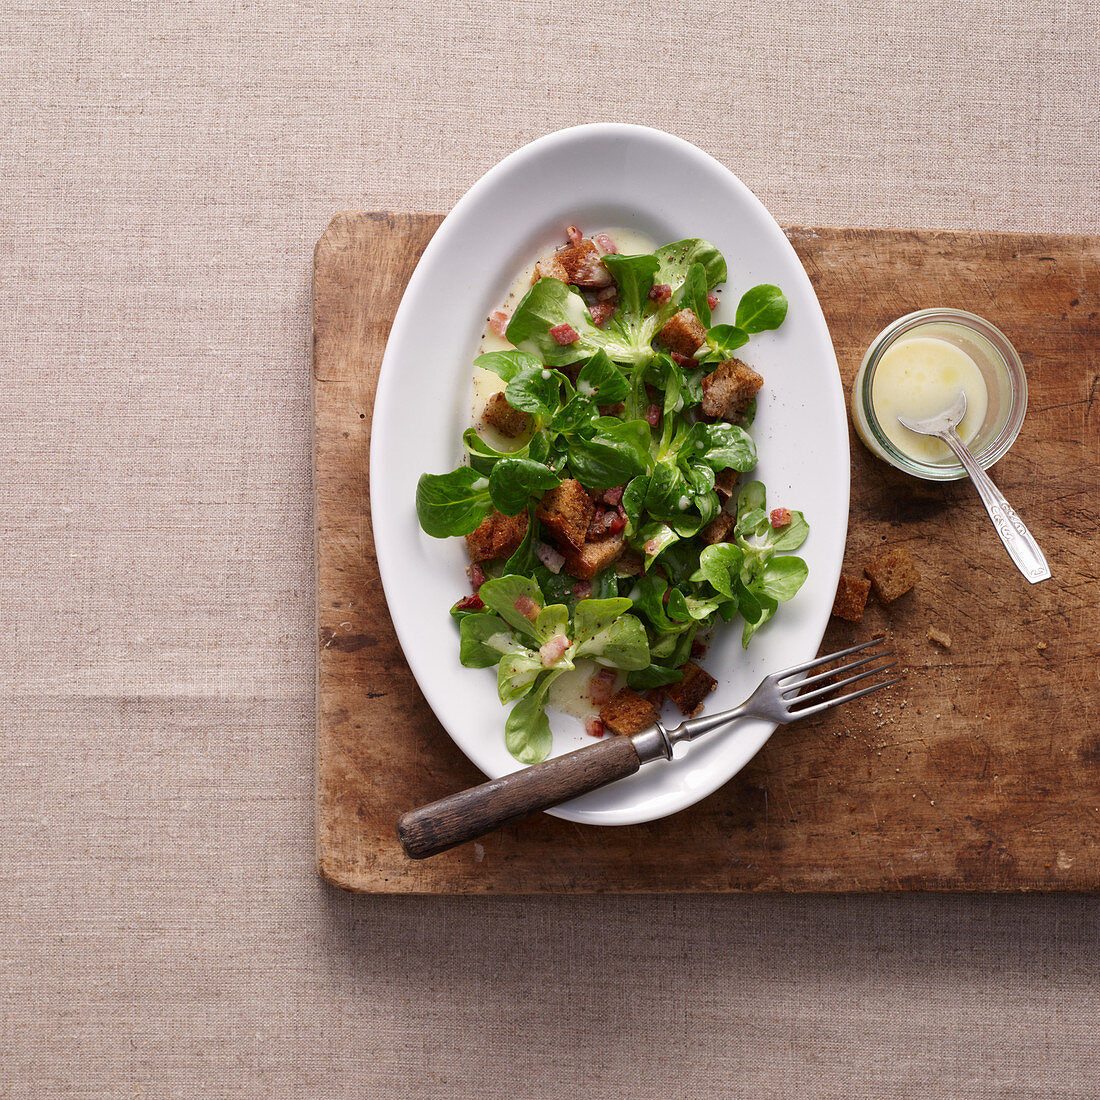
(1021, 546)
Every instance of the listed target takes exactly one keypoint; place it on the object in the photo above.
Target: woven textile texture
(166, 170)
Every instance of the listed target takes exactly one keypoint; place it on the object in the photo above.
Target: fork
(472, 813)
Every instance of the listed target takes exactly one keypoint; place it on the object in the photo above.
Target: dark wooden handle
(480, 810)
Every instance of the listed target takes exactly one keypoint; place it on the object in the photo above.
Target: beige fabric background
(164, 172)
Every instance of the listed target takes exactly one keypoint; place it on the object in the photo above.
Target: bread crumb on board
(939, 637)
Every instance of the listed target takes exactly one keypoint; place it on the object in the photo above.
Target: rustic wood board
(980, 772)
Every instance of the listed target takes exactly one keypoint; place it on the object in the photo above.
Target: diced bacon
(499, 322)
(698, 649)
(780, 517)
(653, 416)
(665, 596)
(606, 521)
(652, 546)
(607, 293)
(614, 497)
(656, 696)
(594, 727)
(549, 557)
(574, 234)
(602, 686)
(712, 299)
(476, 575)
(601, 313)
(470, 603)
(551, 652)
(661, 293)
(565, 334)
(582, 590)
(606, 244)
(527, 607)
(682, 360)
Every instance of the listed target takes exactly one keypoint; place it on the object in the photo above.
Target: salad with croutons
(602, 502)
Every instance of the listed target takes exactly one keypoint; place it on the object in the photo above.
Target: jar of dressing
(917, 366)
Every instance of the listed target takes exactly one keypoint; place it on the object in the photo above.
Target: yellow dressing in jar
(919, 377)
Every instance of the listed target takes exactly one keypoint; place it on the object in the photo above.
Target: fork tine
(819, 692)
(810, 680)
(794, 670)
(830, 703)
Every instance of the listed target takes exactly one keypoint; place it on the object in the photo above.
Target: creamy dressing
(569, 692)
(920, 377)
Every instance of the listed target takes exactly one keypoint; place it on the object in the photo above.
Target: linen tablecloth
(165, 172)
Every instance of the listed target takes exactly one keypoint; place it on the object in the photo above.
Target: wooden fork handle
(473, 813)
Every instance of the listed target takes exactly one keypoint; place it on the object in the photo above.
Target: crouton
(729, 388)
(593, 557)
(851, 598)
(892, 573)
(579, 264)
(717, 529)
(628, 713)
(502, 416)
(683, 334)
(498, 536)
(688, 694)
(566, 511)
(725, 481)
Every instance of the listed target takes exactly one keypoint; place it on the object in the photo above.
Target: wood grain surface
(980, 772)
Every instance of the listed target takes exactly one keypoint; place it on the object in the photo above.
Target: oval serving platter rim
(750, 737)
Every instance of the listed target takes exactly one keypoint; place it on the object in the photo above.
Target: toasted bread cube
(566, 511)
(851, 598)
(593, 557)
(892, 573)
(684, 333)
(628, 712)
(725, 482)
(717, 529)
(580, 264)
(498, 536)
(688, 694)
(729, 388)
(502, 416)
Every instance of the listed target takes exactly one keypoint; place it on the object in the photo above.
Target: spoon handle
(1021, 546)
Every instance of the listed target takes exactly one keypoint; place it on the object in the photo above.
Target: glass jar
(1002, 372)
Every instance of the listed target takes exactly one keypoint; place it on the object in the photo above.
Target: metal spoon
(1021, 547)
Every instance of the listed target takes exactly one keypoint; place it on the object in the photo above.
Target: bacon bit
(606, 521)
(565, 334)
(780, 517)
(682, 360)
(664, 598)
(656, 696)
(601, 313)
(582, 590)
(652, 546)
(549, 557)
(594, 727)
(574, 234)
(476, 575)
(601, 687)
(661, 293)
(607, 293)
(605, 243)
(698, 649)
(653, 416)
(469, 603)
(614, 497)
(527, 607)
(712, 299)
(499, 322)
(551, 652)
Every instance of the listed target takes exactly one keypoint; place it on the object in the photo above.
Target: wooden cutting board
(980, 772)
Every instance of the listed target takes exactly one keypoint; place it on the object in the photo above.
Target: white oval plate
(598, 176)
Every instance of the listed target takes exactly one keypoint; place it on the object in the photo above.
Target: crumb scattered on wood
(939, 637)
